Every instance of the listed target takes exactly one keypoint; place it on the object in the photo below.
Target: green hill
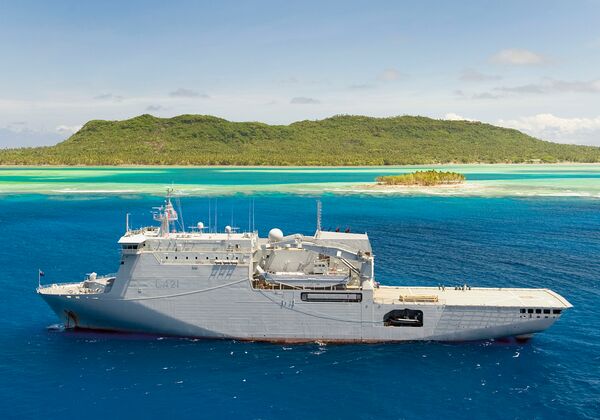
(340, 140)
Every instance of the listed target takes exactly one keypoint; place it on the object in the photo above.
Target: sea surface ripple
(48, 372)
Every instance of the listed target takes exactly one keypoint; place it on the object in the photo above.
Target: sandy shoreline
(379, 186)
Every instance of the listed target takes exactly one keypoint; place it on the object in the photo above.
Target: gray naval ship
(294, 288)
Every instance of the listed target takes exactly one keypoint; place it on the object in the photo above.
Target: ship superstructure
(292, 288)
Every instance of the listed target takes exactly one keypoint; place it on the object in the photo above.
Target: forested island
(336, 141)
(422, 178)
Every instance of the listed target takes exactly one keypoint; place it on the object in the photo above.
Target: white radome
(275, 235)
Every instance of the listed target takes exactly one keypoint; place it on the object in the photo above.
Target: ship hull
(282, 316)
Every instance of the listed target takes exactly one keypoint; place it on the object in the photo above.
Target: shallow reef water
(526, 180)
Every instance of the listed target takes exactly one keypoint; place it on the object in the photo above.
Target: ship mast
(166, 214)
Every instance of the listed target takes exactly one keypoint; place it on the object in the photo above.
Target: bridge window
(539, 311)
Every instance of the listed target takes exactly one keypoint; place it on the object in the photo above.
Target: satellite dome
(275, 235)
(200, 225)
(227, 229)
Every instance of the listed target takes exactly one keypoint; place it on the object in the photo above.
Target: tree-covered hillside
(340, 140)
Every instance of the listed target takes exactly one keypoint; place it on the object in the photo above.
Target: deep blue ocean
(535, 242)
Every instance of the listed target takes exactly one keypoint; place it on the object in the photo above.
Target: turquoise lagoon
(482, 180)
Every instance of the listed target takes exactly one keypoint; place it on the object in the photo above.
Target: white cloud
(455, 117)
(471, 75)
(485, 95)
(301, 100)
(361, 86)
(390, 75)
(292, 80)
(68, 129)
(519, 57)
(17, 126)
(528, 88)
(154, 108)
(555, 86)
(108, 97)
(591, 86)
(482, 95)
(25, 137)
(187, 93)
(552, 127)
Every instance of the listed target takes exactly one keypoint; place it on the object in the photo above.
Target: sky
(534, 66)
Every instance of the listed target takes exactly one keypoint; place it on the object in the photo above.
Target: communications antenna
(319, 209)
(216, 215)
(253, 225)
(181, 224)
(209, 217)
